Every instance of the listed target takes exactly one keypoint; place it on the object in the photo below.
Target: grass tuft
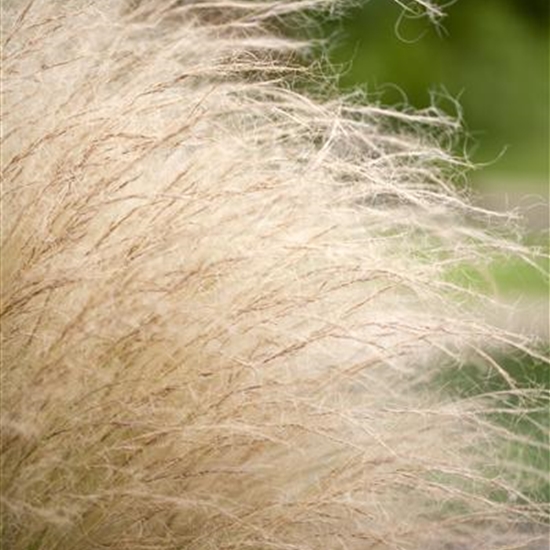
(224, 303)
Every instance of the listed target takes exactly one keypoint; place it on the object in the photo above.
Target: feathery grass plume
(224, 303)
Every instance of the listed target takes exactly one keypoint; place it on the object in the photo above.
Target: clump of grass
(219, 323)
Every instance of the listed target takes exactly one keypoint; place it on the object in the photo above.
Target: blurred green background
(491, 56)
(486, 61)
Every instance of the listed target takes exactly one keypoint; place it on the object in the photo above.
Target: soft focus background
(490, 55)
(486, 61)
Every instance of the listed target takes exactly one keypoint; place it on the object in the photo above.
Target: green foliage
(504, 277)
(492, 56)
(474, 380)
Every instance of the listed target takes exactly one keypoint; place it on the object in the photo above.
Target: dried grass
(222, 302)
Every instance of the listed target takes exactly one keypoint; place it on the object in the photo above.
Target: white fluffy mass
(225, 303)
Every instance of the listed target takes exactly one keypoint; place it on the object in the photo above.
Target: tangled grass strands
(224, 303)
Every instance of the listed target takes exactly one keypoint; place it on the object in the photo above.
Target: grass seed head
(224, 303)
